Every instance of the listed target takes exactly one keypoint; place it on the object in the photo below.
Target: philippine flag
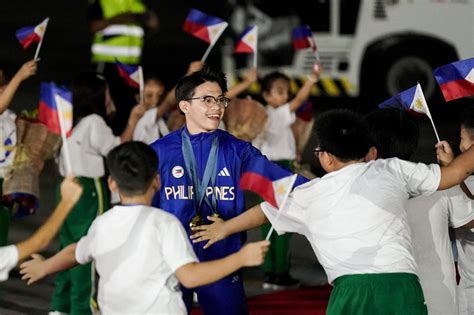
(456, 79)
(268, 180)
(50, 96)
(247, 42)
(305, 111)
(302, 38)
(131, 74)
(31, 34)
(411, 99)
(203, 26)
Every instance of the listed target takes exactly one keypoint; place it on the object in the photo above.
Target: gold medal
(195, 221)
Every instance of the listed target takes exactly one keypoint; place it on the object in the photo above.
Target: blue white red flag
(412, 99)
(247, 42)
(52, 96)
(31, 34)
(130, 73)
(268, 180)
(456, 79)
(206, 27)
(302, 38)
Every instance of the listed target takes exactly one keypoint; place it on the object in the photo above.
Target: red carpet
(306, 300)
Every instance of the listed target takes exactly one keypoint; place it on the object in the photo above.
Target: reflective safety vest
(119, 41)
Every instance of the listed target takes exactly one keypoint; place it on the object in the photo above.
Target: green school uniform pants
(74, 288)
(5, 217)
(383, 293)
(278, 257)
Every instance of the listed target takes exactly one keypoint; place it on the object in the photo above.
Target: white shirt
(429, 218)
(7, 141)
(465, 247)
(355, 217)
(149, 129)
(277, 141)
(90, 142)
(8, 260)
(136, 250)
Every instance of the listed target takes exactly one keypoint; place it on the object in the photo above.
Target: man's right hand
(212, 233)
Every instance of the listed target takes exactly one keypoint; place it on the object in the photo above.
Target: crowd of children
(376, 222)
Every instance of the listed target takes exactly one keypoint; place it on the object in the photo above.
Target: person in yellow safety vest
(118, 34)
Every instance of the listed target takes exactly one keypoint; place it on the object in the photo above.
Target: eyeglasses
(210, 100)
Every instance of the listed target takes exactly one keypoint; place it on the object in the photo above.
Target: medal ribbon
(210, 172)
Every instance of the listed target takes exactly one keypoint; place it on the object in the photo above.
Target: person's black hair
(467, 120)
(186, 87)
(343, 133)
(133, 166)
(393, 132)
(267, 81)
(88, 95)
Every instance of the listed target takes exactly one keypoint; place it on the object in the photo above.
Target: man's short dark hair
(393, 132)
(267, 81)
(467, 120)
(133, 166)
(186, 86)
(343, 133)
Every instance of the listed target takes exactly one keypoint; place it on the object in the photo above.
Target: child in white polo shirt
(394, 134)
(141, 253)
(465, 237)
(8, 89)
(277, 142)
(355, 218)
(90, 141)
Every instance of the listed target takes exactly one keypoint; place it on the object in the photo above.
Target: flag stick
(208, 50)
(429, 114)
(141, 82)
(255, 59)
(285, 198)
(67, 155)
(41, 40)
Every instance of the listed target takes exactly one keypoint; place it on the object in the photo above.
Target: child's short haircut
(393, 133)
(343, 133)
(467, 120)
(133, 166)
(186, 86)
(267, 81)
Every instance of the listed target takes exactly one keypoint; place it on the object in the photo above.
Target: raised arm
(197, 274)
(38, 268)
(305, 90)
(27, 70)
(70, 193)
(220, 229)
(249, 78)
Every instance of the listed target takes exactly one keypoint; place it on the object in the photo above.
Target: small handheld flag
(456, 79)
(412, 99)
(48, 107)
(268, 180)
(305, 111)
(205, 27)
(302, 38)
(55, 111)
(247, 43)
(130, 73)
(32, 34)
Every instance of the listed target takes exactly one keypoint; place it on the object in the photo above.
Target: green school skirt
(383, 293)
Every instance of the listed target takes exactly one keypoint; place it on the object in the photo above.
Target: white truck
(375, 48)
